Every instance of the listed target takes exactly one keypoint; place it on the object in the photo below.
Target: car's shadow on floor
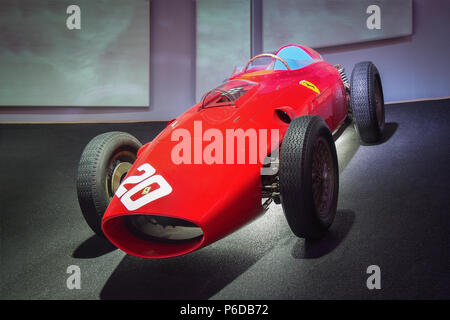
(198, 275)
(93, 247)
(389, 130)
(313, 249)
(202, 274)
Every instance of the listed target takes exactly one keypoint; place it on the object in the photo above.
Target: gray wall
(411, 68)
(221, 45)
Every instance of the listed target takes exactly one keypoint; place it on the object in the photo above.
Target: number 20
(142, 181)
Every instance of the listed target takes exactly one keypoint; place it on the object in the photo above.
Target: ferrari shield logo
(309, 85)
(146, 190)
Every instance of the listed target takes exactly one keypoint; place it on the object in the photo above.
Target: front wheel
(104, 163)
(309, 177)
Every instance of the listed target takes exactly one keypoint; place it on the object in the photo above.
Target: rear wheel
(104, 163)
(309, 177)
(367, 101)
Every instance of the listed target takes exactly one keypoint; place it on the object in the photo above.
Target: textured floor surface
(393, 211)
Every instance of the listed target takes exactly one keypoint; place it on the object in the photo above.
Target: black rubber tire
(364, 97)
(93, 170)
(296, 177)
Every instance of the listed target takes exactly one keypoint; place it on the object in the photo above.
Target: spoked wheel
(367, 101)
(309, 177)
(104, 163)
(323, 176)
(117, 170)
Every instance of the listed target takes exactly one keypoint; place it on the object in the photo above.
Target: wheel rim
(118, 168)
(119, 173)
(379, 104)
(323, 179)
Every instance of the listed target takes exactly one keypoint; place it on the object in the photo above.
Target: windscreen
(268, 63)
(226, 94)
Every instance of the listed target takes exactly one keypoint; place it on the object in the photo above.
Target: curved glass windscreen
(268, 63)
(226, 94)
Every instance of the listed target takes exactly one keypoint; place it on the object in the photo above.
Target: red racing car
(264, 135)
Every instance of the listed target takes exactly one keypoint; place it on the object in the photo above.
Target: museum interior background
(393, 198)
(412, 67)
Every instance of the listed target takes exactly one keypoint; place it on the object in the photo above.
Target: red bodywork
(220, 198)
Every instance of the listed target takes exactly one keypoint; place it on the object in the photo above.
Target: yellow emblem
(309, 85)
(146, 190)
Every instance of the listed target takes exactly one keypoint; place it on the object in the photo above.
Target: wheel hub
(118, 174)
(322, 178)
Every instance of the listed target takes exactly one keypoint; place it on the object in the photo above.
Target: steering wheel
(266, 55)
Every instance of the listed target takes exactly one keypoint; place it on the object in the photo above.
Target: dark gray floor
(394, 212)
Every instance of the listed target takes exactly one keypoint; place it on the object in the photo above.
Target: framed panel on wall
(325, 23)
(77, 53)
